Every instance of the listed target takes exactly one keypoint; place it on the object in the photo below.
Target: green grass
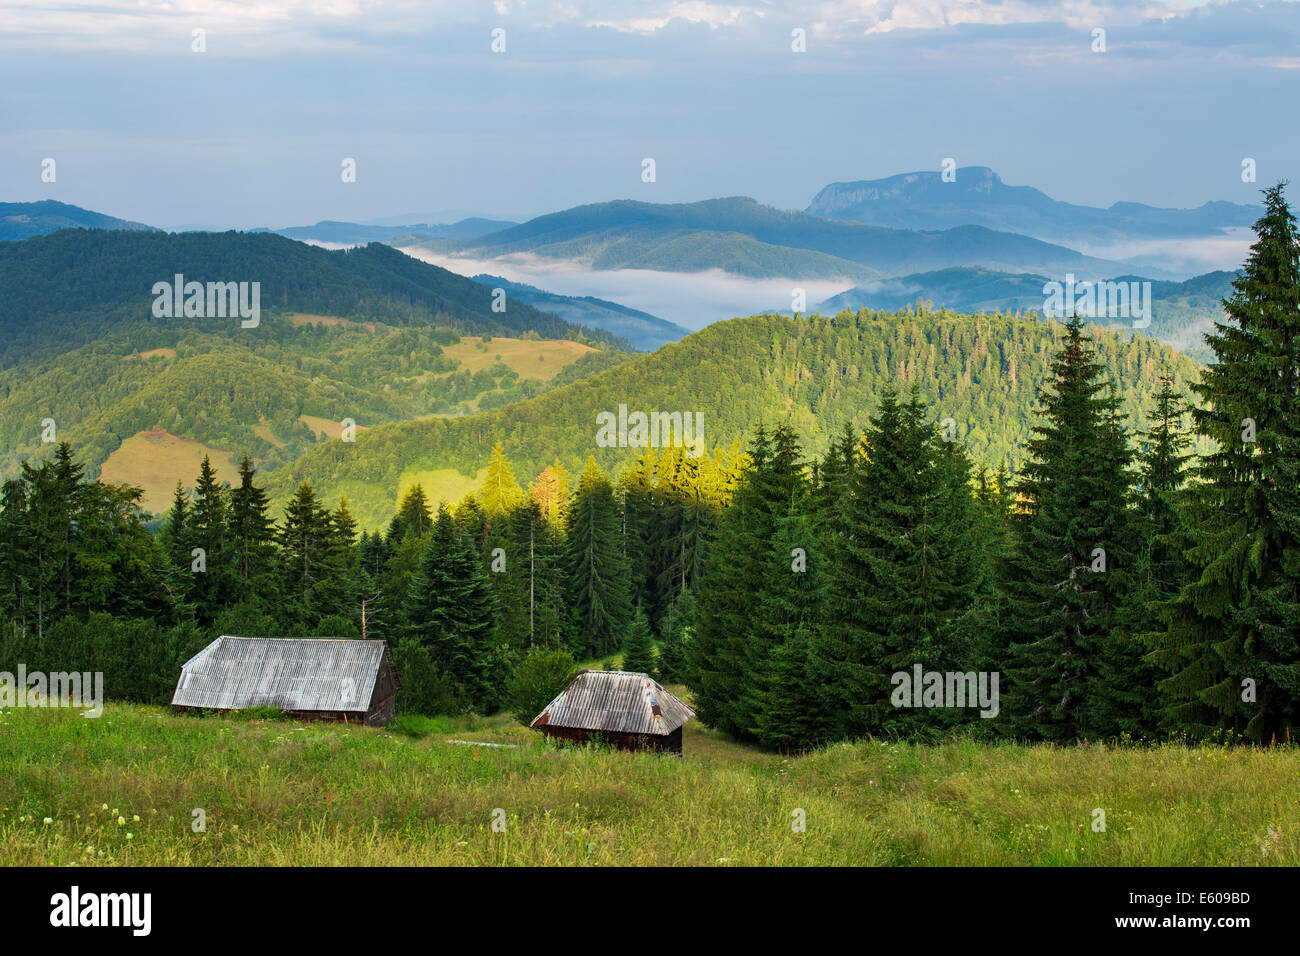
(281, 792)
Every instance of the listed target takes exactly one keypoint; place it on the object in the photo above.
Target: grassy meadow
(121, 790)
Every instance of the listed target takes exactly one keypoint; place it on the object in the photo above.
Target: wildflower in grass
(47, 821)
(104, 807)
(135, 817)
(130, 835)
(121, 821)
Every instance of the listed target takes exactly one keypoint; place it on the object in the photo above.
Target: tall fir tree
(253, 540)
(1231, 644)
(209, 529)
(638, 648)
(1064, 581)
(596, 566)
(451, 611)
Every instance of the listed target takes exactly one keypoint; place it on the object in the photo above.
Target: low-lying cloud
(691, 299)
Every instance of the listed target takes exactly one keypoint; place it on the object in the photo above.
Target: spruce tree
(209, 529)
(451, 611)
(675, 636)
(638, 649)
(1063, 583)
(724, 625)
(412, 518)
(596, 567)
(174, 550)
(253, 538)
(500, 493)
(307, 553)
(1231, 644)
(900, 570)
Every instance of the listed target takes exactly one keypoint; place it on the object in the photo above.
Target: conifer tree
(500, 493)
(412, 518)
(1064, 582)
(209, 526)
(253, 536)
(677, 624)
(307, 552)
(1231, 645)
(789, 712)
(900, 570)
(174, 549)
(596, 566)
(638, 650)
(15, 555)
(451, 611)
(716, 656)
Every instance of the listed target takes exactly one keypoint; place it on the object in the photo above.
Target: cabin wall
(383, 702)
(672, 743)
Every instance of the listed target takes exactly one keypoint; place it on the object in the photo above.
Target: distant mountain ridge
(23, 220)
(978, 196)
(354, 234)
(745, 237)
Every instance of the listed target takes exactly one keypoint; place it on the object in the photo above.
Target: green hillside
(271, 392)
(983, 371)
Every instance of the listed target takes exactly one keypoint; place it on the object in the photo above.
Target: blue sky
(253, 131)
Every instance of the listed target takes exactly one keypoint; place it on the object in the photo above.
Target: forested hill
(983, 371)
(22, 220)
(72, 286)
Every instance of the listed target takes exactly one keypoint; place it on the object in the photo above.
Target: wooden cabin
(308, 677)
(630, 710)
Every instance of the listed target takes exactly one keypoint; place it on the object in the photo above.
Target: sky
(254, 130)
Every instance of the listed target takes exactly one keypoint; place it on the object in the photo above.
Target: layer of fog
(691, 299)
(1189, 257)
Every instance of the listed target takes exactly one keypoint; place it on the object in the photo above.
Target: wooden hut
(318, 678)
(629, 710)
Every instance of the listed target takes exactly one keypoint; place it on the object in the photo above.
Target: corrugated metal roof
(618, 701)
(286, 672)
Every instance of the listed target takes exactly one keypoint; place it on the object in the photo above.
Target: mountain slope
(22, 220)
(742, 236)
(978, 196)
(819, 372)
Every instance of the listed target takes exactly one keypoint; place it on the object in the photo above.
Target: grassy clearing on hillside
(305, 318)
(441, 484)
(529, 358)
(121, 790)
(153, 459)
